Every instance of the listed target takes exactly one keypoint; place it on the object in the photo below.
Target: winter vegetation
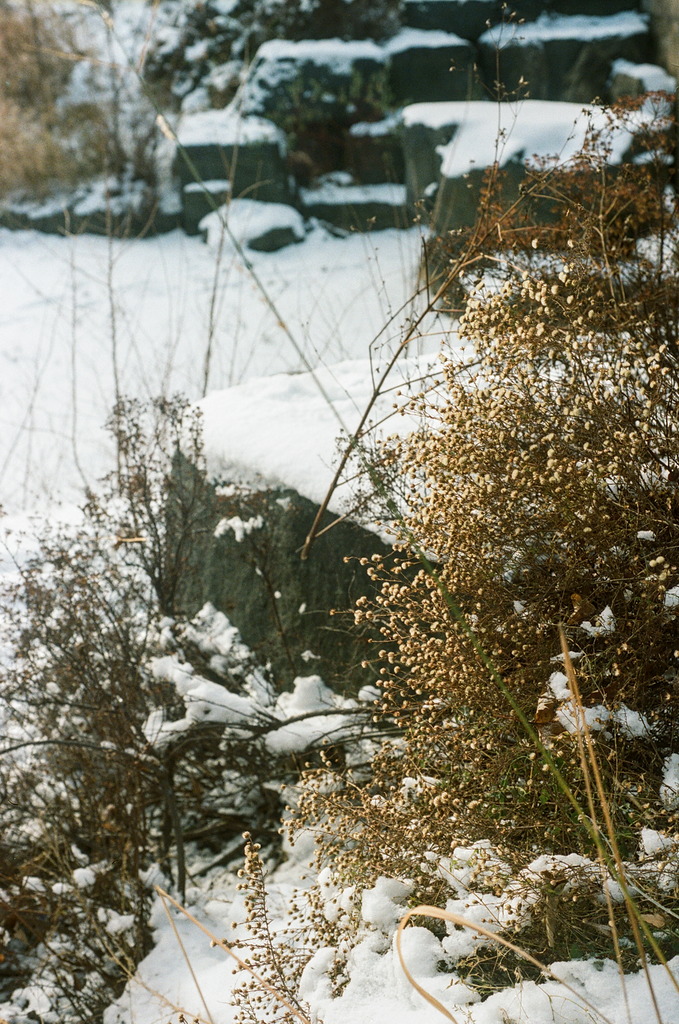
(339, 588)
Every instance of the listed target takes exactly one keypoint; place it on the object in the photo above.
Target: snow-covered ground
(186, 972)
(84, 317)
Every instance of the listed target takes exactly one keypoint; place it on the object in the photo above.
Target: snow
(603, 625)
(654, 843)
(551, 27)
(377, 988)
(669, 790)
(274, 418)
(205, 702)
(227, 128)
(337, 54)
(485, 133)
(335, 193)
(211, 185)
(375, 129)
(282, 430)
(382, 906)
(417, 38)
(652, 77)
(239, 527)
(84, 877)
(167, 296)
(249, 219)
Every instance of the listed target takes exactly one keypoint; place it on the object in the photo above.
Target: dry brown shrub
(37, 48)
(45, 142)
(541, 490)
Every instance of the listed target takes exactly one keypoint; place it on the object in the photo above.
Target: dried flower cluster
(542, 490)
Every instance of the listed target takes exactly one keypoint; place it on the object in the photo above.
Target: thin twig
(460, 921)
(181, 945)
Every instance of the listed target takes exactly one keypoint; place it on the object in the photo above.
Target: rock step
(356, 207)
(449, 146)
(469, 18)
(565, 58)
(219, 145)
(200, 198)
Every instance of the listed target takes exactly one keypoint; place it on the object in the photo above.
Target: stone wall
(665, 25)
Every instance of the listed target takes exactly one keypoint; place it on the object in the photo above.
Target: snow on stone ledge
(551, 27)
(337, 54)
(421, 38)
(249, 219)
(282, 430)
(652, 77)
(376, 129)
(227, 128)
(334, 193)
(486, 132)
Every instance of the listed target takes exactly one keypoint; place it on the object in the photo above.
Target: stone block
(431, 66)
(426, 126)
(201, 198)
(561, 57)
(356, 207)
(249, 152)
(466, 18)
(373, 151)
(280, 604)
(316, 80)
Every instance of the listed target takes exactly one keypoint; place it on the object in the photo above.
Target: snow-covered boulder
(629, 79)
(264, 227)
(317, 80)
(479, 135)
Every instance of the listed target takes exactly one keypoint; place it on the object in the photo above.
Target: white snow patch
(240, 528)
(485, 133)
(669, 789)
(338, 54)
(652, 77)
(382, 906)
(604, 624)
(550, 27)
(249, 219)
(84, 877)
(418, 38)
(282, 430)
(227, 128)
